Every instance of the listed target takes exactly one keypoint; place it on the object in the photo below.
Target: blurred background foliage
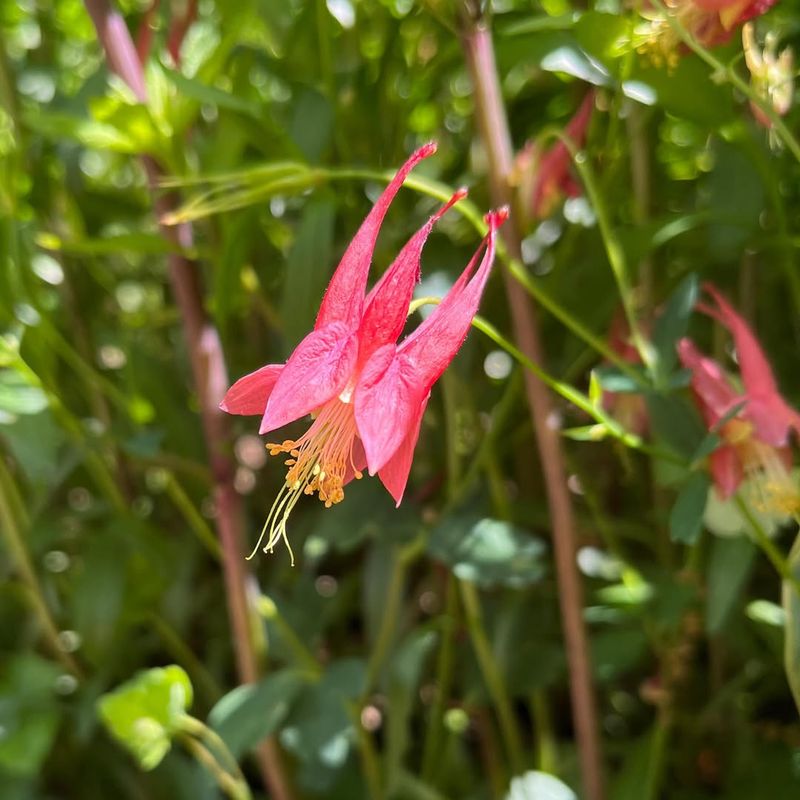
(421, 644)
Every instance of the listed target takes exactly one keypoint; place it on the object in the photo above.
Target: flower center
(772, 488)
(321, 461)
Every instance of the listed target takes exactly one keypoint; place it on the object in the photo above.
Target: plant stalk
(210, 380)
(493, 124)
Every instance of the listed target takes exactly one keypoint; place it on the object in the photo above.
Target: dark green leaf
(686, 517)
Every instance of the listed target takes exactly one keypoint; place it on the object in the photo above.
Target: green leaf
(19, 394)
(29, 713)
(686, 517)
(535, 785)
(612, 379)
(248, 714)
(672, 325)
(195, 89)
(488, 552)
(675, 422)
(605, 36)
(145, 713)
(729, 568)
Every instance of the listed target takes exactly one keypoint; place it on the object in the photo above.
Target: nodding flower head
(365, 392)
(755, 425)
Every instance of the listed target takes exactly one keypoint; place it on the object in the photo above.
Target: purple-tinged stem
(211, 380)
(493, 123)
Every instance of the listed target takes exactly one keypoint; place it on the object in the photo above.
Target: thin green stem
(391, 611)
(369, 758)
(302, 655)
(15, 541)
(546, 741)
(233, 787)
(492, 675)
(192, 516)
(776, 558)
(445, 662)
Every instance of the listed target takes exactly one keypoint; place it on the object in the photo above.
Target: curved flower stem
(232, 786)
(493, 124)
(210, 379)
(776, 558)
(613, 248)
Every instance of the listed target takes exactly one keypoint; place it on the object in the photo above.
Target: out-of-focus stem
(491, 675)
(640, 183)
(493, 123)
(15, 542)
(210, 379)
(445, 662)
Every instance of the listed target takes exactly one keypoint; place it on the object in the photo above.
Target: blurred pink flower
(710, 22)
(366, 393)
(544, 177)
(755, 440)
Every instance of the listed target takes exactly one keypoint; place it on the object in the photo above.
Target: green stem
(304, 657)
(492, 676)
(777, 559)
(233, 787)
(369, 759)
(445, 663)
(391, 611)
(182, 654)
(546, 741)
(15, 541)
(193, 517)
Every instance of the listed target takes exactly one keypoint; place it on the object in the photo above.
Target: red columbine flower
(366, 393)
(755, 441)
(544, 176)
(710, 22)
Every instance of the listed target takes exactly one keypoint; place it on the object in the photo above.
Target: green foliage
(420, 651)
(146, 712)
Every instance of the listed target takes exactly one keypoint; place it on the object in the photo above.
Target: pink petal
(709, 382)
(387, 398)
(769, 412)
(386, 308)
(394, 475)
(726, 470)
(344, 298)
(318, 369)
(433, 345)
(249, 394)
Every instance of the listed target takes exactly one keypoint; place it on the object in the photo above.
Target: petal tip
(494, 219)
(427, 150)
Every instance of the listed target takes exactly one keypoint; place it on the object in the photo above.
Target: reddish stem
(493, 123)
(210, 379)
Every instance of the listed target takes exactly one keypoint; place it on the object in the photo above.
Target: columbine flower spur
(366, 393)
